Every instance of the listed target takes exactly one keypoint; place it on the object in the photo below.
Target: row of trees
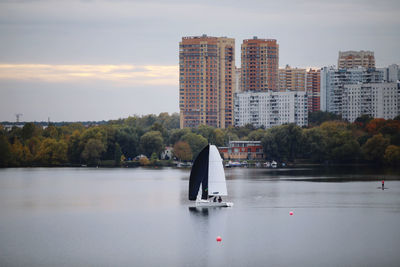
(327, 140)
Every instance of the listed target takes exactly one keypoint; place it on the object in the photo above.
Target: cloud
(121, 75)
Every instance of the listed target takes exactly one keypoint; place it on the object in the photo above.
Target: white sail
(216, 174)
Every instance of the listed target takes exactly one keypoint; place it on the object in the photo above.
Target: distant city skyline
(101, 60)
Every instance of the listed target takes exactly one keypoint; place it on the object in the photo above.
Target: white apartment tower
(333, 81)
(379, 100)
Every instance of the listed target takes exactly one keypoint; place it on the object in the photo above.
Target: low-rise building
(167, 153)
(268, 109)
(243, 150)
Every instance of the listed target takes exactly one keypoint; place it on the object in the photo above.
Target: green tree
(283, 142)
(374, 149)
(5, 152)
(319, 117)
(342, 146)
(157, 126)
(128, 139)
(154, 158)
(52, 132)
(196, 142)
(219, 137)
(315, 145)
(29, 130)
(183, 151)
(92, 151)
(176, 135)
(347, 151)
(256, 135)
(207, 132)
(75, 147)
(117, 155)
(392, 155)
(151, 142)
(270, 145)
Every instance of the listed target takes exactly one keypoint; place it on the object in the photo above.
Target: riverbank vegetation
(142, 140)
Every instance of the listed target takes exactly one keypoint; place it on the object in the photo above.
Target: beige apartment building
(206, 81)
(259, 65)
(292, 79)
(313, 86)
(353, 59)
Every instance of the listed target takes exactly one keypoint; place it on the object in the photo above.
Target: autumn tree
(52, 152)
(144, 161)
(182, 151)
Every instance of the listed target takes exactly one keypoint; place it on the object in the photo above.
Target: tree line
(327, 140)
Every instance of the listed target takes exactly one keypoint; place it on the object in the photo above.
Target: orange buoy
(219, 239)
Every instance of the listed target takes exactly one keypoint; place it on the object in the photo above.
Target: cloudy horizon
(101, 60)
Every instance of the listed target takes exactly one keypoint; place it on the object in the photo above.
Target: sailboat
(208, 173)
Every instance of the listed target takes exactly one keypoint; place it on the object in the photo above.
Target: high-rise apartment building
(314, 89)
(268, 109)
(378, 100)
(206, 81)
(353, 59)
(334, 80)
(391, 73)
(260, 63)
(238, 77)
(292, 79)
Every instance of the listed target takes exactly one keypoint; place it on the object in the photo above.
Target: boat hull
(213, 204)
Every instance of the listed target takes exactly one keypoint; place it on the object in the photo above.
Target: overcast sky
(93, 60)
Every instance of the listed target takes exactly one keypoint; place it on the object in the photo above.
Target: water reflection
(199, 211)
(141, 217)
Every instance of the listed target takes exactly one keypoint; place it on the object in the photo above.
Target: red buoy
(291, 213)
(219, 239)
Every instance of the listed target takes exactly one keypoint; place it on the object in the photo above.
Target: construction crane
(18, 115)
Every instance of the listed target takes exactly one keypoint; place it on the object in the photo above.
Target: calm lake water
(141, 217)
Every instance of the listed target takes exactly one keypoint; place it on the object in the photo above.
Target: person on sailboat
(215, 199)
(220, 199)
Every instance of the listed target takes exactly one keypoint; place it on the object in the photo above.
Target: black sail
(199, 175)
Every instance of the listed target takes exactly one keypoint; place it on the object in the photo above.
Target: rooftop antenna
(18, 115)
